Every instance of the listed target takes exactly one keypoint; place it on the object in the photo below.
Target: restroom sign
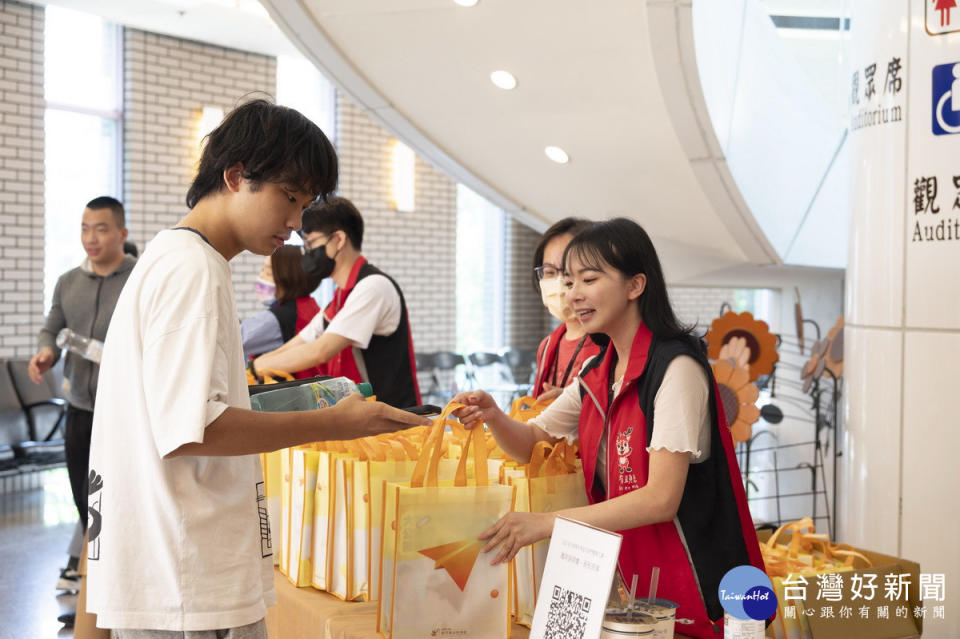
(942, 16)
(945, 86)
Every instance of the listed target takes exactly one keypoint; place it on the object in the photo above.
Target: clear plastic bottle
(85, 347)
(309, 396)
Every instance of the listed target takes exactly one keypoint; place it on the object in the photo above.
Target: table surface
(305, 613)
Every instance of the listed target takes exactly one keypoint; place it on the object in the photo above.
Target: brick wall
(526, 320)
(21, 177)
(167, 83)
(416, 248)
(699, 305)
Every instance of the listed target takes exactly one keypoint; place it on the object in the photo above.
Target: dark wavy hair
(566, 226)
(622, 244)
(274, 143)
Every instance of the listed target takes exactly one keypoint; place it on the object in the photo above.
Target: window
(481, 232)
(82, 128)
(302, 87)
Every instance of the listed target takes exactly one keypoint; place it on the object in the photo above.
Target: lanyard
(573, 358)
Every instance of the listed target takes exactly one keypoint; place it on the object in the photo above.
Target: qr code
(567, 615)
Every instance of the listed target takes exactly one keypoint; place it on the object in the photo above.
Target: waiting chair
(451, 373)
(46, 410)
(521, 363)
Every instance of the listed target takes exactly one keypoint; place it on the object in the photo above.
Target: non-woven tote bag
(441, 583)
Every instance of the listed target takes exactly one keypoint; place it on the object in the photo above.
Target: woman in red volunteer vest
(658, 459)
(561, 353)
(287, 289)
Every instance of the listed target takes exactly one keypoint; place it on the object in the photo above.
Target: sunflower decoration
(813, 369)
(739, 397)
(756, 336)
(737, 351)
(834, 353)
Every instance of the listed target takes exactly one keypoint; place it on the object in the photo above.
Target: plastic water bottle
(309, 396)
(85, 347)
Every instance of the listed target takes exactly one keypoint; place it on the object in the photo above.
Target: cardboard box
(824, 625)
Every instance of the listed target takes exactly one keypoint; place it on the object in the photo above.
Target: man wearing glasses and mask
(364, 333)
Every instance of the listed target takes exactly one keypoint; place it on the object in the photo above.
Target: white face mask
(555, 299)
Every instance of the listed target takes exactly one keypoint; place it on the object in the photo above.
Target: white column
(902, 341)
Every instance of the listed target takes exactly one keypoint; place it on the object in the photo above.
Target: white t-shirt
(372, 308)
(180, 547)
(681, 406)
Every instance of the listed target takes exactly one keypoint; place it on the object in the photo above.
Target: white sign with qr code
(581, 562)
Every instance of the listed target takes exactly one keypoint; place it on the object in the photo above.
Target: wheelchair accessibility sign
(946, 99)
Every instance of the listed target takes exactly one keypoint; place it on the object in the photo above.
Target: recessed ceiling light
(466, 3)
(557, 154)
(503, 79)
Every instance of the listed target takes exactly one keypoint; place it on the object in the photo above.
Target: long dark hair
(566, 226)
(624, 245)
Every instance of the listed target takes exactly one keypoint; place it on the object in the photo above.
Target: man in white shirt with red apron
(364, 333)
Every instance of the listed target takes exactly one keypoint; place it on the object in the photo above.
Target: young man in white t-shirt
(364, 333)
(175, 546)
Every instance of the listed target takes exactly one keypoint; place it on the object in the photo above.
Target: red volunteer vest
(389, 361)
(713, 531)
(548, 354)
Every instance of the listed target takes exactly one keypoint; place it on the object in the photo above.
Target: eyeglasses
(546, 272)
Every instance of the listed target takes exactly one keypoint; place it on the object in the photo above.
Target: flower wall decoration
(756, 336)
(739, 397)
(834, 352)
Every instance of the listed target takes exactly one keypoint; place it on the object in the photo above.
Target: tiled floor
(37, 519)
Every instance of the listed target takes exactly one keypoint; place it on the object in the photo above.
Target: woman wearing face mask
(285, 288)
(563, 351)
(658, 458)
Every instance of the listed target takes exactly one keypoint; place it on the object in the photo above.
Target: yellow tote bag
(439, 582)
(303, 485)
(284, 510)
(322, 521)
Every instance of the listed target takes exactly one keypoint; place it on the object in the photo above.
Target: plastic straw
(654, 578)
(633, 594)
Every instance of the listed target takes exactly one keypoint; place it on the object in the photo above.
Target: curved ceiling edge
(309, 38)
(671, 42)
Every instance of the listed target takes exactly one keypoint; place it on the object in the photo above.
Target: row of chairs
(31, 420)
(505, 374)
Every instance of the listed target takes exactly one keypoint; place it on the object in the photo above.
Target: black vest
(388, 359)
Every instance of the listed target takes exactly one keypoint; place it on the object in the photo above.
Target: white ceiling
(590, 81)
(614, 83)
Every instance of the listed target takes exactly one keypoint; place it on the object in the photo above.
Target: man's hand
(40, 364)
(549, 392)
(479, 405)
(360, 418)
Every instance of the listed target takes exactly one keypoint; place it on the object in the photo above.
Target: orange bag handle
(269, 376)
(477, 441)
(562, 460)
(541, 450)
(428, 464)
(411, 449)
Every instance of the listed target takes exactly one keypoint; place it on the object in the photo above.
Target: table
(305, 613)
